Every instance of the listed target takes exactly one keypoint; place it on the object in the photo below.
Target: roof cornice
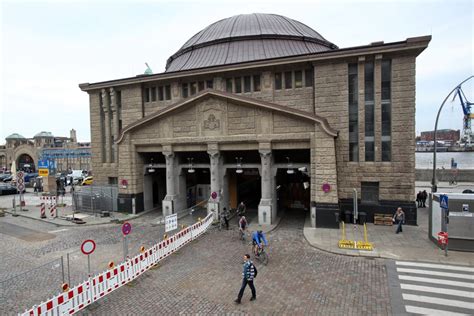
(414, 45)
(234, 98)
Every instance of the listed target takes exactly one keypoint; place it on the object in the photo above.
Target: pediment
(214, 113)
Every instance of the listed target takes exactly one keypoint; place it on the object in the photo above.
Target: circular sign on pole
(19, 174)
(88, 246)
(214, 195)
(126, 228)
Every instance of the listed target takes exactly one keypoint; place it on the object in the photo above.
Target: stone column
(168, 202)
(213, 203)
(266, 201)
(115, 123)
(106, 108)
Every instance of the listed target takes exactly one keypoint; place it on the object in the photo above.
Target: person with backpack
(249, 273)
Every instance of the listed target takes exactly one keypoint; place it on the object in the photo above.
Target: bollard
(142, 249)
(165, 236)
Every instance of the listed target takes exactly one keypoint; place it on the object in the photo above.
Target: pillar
(106, 108)
(168, 202)
(115, 123)
(265, 206)
(213, 204)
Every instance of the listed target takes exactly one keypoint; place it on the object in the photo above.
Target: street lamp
(190, 165)
(433, 181)
(150, 166)
(239, 165)
(290, 169)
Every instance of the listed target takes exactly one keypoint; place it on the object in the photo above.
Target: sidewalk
(413, 244)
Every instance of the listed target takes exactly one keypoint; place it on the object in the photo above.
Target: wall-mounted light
(238, 165)
(190, 165)
(290, 167)
(150, 166)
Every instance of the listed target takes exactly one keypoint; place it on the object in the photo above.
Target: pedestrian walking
(418, 199)
(241, 209)
(225, 214)
(424, 196)
(399, 219)
(248, 274)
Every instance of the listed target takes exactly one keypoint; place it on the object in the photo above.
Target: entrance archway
(26, 163)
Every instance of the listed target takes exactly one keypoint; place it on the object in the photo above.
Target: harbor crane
(468, 136)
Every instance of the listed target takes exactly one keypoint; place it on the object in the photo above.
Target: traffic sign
(20, 175)
(126, 228)
(443, 201)
(43, 164)
(88, 246)
(43, 172)
(214, 195)
(20, 187)
(171, 222)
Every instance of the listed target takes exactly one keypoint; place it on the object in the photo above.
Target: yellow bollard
(165, 236)
(65, 287)
(142, 249)
(111, 265)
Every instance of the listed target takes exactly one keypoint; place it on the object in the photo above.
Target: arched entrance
(26, 163)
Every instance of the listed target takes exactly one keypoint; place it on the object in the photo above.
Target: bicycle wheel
(264, 257)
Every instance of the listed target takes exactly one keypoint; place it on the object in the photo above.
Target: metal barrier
(102, 284)
(95, 198)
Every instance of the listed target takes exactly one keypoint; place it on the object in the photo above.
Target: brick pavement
(205, 278)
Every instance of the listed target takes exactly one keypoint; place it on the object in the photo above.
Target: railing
(96, 287)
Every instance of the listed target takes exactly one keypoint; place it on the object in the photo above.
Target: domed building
(263, 109)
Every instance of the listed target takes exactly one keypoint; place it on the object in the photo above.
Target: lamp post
(433, 181)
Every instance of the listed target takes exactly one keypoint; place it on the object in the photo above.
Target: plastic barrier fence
(102, 284)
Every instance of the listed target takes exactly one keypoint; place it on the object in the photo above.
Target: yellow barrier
(344, 243)
(364, 245)
(350, 244)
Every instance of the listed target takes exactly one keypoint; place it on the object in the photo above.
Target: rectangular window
(238, 84)
(308, 77)
(247, 84)
(200, 85)
(369, 192)
(153, 94)
(228, 85)
(288, 80)
(168, 92)
(147, 94)
(369, 111)
(210, 84)
(184, 90)
(353, 114)
(298, 79)
(160, 93)
(113, 180)
(193, 88)
(278, 81)
(386, 111)
(256, 83)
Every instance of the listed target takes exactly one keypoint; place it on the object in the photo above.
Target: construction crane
(468, 136)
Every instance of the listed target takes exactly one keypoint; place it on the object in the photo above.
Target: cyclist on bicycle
(258, 241)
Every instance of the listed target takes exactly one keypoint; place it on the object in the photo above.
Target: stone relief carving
(212, 123)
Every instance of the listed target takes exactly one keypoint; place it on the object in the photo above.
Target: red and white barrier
(102, 284)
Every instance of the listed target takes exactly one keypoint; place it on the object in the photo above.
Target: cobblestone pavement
(205, 277)
(30, 269)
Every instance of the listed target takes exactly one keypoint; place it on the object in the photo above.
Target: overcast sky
(49, 47)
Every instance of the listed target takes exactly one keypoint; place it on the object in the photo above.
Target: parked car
(8, 179)
(88, 180)
(7, 188)
(30, 176)
(4, 176)
(468, 191)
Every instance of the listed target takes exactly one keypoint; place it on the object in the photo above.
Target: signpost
(444, 204)
(20, 186)
(126, 229)
(171, 222)
(88, 247)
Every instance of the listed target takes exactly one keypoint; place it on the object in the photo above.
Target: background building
(449, 135)
(263, 109)
(63, 153)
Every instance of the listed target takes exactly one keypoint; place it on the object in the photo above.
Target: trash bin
(347, 217)
(362, 218)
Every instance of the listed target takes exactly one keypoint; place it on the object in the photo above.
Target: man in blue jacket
(258, 241)
(248, 275)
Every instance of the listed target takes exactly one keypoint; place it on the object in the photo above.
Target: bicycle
(242, 235)
(262, 256)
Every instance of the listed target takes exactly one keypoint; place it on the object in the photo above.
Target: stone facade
(312, 118)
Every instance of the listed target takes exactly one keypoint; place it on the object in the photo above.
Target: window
(298, 79)
(369, 192)
(184, 90)
(153, 94)
(278, 81)
(256, 83)
(386, 111)
(308, 77)
(160, 93)
(210, 84)
(238, 84)
(193, 88)
(288, 80)
(147, 94)
(113, 180)
(228, 85)
(247, 84)
(119, 109)
(200, 85)
(369, 111)
(353, 114)
(168, 92)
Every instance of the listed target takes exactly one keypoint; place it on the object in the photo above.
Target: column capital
(265, 152)
(213, 149)
(361, 59)
(168, 154)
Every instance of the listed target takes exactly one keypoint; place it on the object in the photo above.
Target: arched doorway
(26, 163)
